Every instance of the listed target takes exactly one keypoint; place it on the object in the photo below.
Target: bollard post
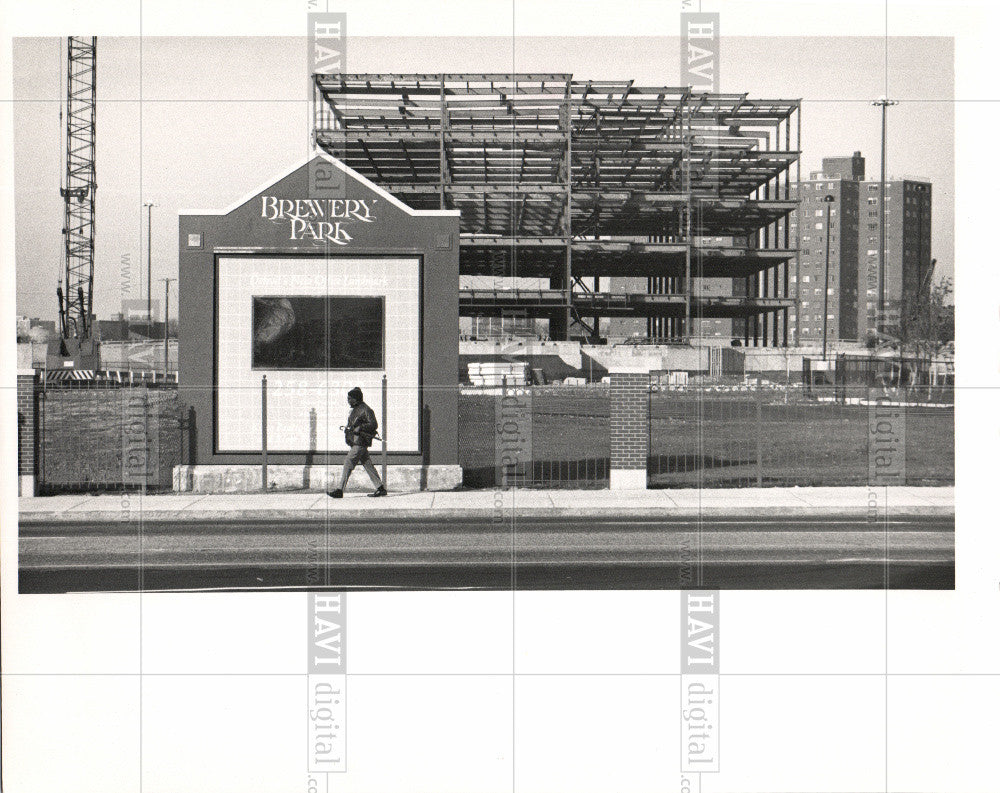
(760, 429)
(385, 441)
(263, 432)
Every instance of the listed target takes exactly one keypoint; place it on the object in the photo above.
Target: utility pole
(827, 199)
(166, 324)
(149, 263)
(884, 103)
(921, 194)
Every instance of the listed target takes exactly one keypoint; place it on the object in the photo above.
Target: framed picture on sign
(318, 332)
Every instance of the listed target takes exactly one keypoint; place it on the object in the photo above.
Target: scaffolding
(574, 181)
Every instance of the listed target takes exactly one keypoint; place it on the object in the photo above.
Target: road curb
(339, 514)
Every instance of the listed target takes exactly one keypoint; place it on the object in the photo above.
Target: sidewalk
(750, 502)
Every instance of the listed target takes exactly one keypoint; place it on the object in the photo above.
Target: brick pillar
(629, 428)
(27, 431)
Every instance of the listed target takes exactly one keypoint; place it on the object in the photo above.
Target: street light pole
(827, 199)
(166, 324)
(149, 263)
(884, 103)
(920, 191)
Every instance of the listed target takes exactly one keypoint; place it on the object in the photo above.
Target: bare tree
(925, 324)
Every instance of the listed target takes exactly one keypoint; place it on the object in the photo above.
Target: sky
(197, 122)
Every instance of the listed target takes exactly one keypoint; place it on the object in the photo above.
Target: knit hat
(356, 393)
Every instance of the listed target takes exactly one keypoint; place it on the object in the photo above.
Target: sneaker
(338, 493)
(381, 491)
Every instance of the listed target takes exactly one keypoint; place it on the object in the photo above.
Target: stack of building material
(498, 373)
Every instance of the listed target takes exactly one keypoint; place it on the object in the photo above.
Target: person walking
(359, 433)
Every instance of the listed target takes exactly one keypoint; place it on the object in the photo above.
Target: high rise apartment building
(907, 263)
(851, 290)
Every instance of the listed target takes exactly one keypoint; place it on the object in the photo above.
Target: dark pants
(358, 455)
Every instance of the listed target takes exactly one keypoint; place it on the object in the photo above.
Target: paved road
(435, 553)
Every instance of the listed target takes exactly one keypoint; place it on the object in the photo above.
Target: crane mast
(77, 347)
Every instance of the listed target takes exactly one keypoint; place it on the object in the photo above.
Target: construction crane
(77, 347)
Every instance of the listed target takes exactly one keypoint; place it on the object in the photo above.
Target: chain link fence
(96, 436)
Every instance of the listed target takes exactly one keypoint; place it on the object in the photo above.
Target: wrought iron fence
(109, 436)
(541, 436)
(756, 436)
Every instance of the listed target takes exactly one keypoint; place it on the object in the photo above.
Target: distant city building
(35, 327)
(121, 329)
(852, 290)
(907, 248)
(839, 295)
(852, 167)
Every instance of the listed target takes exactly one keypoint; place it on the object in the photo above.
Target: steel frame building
(575, 181)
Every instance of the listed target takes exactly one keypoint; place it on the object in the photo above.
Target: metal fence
(108, 436)
(906, 379)
(723, 435)
(758, 437)
(547, 437)
(138, 355)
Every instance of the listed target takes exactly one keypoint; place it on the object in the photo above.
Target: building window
(805, 279)
(819, 225)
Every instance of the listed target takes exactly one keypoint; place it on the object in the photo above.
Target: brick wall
(27, 423)
(629, 420)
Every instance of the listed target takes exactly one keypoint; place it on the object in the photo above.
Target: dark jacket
(361, 426)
